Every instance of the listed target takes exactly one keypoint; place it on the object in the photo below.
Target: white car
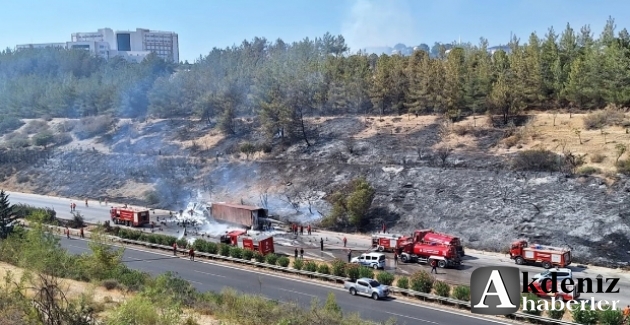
(561, 273)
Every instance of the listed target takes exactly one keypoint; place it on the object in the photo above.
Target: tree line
(281, 83)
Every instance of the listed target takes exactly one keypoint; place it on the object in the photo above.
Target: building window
(123, 41)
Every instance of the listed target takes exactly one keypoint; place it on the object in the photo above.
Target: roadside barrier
(328, 277)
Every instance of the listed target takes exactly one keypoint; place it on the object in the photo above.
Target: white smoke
(376, 23)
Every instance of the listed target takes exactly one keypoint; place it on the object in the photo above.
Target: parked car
(561, 274)
(373, 260)
(367, 287)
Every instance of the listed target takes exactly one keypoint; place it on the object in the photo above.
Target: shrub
(89, 127)
(182, 242)
(283, 261)
(461, 292)
(442, 288)
(537, 160)
(338, 267)
(110, 284)
(323, 269)
(310, 266)
(526, 308)
(63, 138)
(611, 317)
(588, 170)
(556, 312)
(608, 117)
(224, 250)
(422, 281)
(248, 254)
(352, 271)
(236, 252)
(259, 257)
(43, 138)
(199, 245)
(585, 317)
(271, 259)
(598, 158)
(623, 166)
(212, 248)
(366, 272)
(385, 278)
(298, 263)
(403, 282)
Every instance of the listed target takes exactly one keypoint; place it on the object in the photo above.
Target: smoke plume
(372, 23)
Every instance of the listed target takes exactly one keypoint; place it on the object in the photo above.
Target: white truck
(367, 287)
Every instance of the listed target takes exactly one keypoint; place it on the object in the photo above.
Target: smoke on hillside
(372, 23)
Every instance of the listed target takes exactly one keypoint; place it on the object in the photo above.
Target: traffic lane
(207, 276)
(93, 213)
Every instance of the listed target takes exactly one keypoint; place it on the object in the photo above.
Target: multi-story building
(131, 45)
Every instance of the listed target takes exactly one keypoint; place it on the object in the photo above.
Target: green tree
(6, 215)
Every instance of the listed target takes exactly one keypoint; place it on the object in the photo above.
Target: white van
(373, 260)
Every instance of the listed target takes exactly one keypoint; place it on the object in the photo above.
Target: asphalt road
(207, 276)
(333, 248)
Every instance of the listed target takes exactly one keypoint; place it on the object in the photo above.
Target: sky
(205, 24)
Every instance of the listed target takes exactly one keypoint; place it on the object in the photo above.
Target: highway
(99, 213)
(208, 276)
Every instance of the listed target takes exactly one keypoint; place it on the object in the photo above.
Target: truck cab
(372, 260)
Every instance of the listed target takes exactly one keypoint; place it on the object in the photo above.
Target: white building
(131, 45)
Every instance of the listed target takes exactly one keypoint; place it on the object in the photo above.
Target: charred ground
(458, 178)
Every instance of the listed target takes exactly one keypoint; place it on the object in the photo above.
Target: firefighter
(395, 259)
(68, 232)
(433, 266)
(626, 312)
(174, 249)
(321, 244)
(191, 253)
(345, 241)
(308, 229)
(301, 253)
(82, 234)
(296, 253)
(349, 255)
(301, 230)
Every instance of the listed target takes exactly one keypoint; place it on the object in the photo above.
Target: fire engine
(445, 256)
(129, 216)
(548, 256)
(429, 236)
(240, 238)
(389, 243)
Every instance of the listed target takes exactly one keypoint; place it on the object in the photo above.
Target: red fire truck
(240, 238)
(445, 256)
(548, 256)
(429, 236)
(389, 243)
(129, 216)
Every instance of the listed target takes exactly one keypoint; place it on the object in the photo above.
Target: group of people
(300, 229)
(191, 252)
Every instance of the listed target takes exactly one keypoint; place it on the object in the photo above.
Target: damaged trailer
(248, 216)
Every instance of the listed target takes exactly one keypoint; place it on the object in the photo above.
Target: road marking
(221, 276)
(298, 293)
(319, 285)
(414, 318)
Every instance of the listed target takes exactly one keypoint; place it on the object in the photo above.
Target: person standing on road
(321, 244)
(296, 253)
(174, 249)
(82, 234)
(67, 232)
(191, 253)
(302, 230)
(433, 266)
(395, 259)
(308, 229)
(349, 255)
(345, 241)
(301, 253)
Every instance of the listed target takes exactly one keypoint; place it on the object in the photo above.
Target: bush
(611, 317)
(298, 264)
(403, 282)
(183, 243)
(89, 127)
(352, 271)
(461, 292)
(224, 250)
(323, 269)
(110, 284)
(310, 266)
(535, 299)
(556, 313)
(537, 160)
(385, 278)
(198, 245)
(623, 166)
(422, 281)
(259, 257)
(338, 267)
(597, 158)
(608, 117)
(442, 289)
(248, 254)
(588, 170)
(236, 252)
(43, 138)
(63, 138)
(366, 272)
(283, 261)
(271, 259)
(212, 248)
(585, 317)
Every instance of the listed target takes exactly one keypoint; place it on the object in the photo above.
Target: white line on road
(414, 318)
(298, 293)
(221, 276)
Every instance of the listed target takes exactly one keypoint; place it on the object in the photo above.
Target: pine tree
(6, 215)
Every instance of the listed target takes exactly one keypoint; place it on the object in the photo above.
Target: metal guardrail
(406, 292)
